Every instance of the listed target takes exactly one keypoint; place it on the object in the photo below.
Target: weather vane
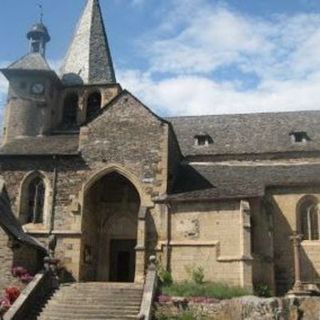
(41, 11)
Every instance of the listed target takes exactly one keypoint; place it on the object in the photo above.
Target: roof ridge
(244, 114)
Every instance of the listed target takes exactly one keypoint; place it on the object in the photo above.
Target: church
(84, 160)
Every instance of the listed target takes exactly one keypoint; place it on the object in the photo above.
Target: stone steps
(94, 301)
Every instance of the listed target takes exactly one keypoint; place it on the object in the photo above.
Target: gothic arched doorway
(110, 223)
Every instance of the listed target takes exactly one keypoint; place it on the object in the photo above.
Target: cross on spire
(40, 6)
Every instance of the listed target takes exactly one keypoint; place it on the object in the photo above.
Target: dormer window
(299, 137)
(203, 140)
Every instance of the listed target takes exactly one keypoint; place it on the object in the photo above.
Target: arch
(70, 109)
(34, 199)
(110, 224)
(113, 167)
(308, 211)
(93, 104)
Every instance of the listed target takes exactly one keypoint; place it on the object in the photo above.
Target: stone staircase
(94, 300)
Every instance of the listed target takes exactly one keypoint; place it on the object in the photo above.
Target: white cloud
(194, 95)
(200, 37)
(3, 90)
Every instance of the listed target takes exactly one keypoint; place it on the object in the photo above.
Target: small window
(299, 137)
(36, 193)
(203, 140)
(309, 220)
(70, 109)
(93, 104)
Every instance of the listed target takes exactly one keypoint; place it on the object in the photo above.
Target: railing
(37, 291)
(149, 291)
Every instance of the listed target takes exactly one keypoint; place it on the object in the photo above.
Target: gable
(125, 107)
(128, 133)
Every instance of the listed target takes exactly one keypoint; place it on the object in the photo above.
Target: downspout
(54, 193)
(168, 222)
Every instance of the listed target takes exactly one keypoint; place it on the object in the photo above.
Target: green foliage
(197, 274)
(186, 315)
(209, 289)
(262, 290)
(164, 276)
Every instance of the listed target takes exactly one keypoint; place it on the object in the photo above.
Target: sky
(191, 57)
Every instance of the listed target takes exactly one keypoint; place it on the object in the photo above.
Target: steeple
(88, 60)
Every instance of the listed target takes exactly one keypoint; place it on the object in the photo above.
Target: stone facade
(123, 182)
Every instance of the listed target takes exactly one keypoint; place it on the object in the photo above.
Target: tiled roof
(62, 144)
(31, 61)
(219, 181)
(248, 133)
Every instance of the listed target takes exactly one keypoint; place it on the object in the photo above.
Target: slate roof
(10, 224)
(221, 181)
(31, 61)
(88, 60)
(248, 133)
(63, 144)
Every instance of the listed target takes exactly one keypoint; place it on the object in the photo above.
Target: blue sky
(184, 57)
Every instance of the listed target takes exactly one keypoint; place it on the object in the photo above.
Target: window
(299, 137)
(36, 194)
(70, 109)
(93, 104)
(203, 140)
(309, 219)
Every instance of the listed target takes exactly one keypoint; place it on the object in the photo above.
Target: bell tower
(32, 90)
(38, 37)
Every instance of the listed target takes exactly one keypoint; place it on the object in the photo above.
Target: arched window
(35, 201)
(70, 109)
(309, 219)
(93, 104)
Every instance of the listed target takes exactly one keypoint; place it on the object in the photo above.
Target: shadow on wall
(309, 273)
(283, 250)
(152, 235)
(283, 255)
(188, 179)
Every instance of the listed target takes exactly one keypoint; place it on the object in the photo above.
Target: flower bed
(12, 293)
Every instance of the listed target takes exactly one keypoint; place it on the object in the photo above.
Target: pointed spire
(88, 60)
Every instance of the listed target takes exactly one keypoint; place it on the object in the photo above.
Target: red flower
(12, 293)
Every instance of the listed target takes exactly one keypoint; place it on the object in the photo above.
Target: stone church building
(85, 160)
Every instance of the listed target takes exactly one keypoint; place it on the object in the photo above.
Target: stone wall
(6, 262)
(246, 308)
(208, 235)
(128, 138)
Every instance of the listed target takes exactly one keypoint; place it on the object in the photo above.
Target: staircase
(94, 300)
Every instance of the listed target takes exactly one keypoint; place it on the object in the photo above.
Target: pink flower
(164, 299)
(4, 305)
(26, 278)
(19, 271)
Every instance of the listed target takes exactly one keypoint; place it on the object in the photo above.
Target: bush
(262, 290)
(209, 290)
(164, 276)
(197, 275)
